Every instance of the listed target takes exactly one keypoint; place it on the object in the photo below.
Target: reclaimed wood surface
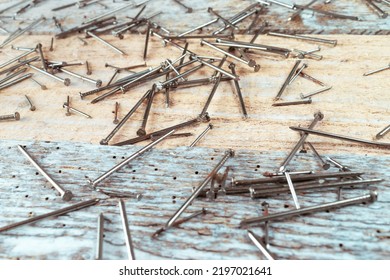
(369, 22)
(355, 106)
(166, 177)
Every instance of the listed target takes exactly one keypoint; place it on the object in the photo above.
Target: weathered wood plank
(165, 177)
(174, 18)
(355, 106)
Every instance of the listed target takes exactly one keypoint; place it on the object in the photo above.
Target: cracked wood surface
(309, 23)
(355, 106)
(166, 177)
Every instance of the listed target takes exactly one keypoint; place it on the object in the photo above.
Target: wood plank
(277, 16)
(165, 177)
(355, 105)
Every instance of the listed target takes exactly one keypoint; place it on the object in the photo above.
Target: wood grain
(165, 177)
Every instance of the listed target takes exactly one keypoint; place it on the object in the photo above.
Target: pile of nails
(173, 75)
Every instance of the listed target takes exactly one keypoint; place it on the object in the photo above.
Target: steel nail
(208, 128)
(32, 107)
(116, 120)
(15, 116)
(100, 233)
(126, 230)
(315, 92)
(259, 244)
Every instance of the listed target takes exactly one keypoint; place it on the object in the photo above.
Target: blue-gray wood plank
(174, 18)
(166, 177)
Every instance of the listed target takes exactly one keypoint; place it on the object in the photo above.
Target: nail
(215, 68)
(113, 11)
(43, 60)
(127, 160)
(250, 63)
(146, 41)
(32, 107)
(65, 194)
(232, 67)
(381, 13)
(167, 89)
(314, 92)
(15, 81)
(305, 38)
(97, 83)
(304, 65)
(65, 81)
(371, 197)
(254, 21)
(55, 213)
(317, 117)
(141, 131)
(198, 27)
(376, 71)
(295, 178)
(227, 23)
(204, 118)
(116, 120)
(292, 190)
(325, 165)
(15, 116)
(261, 192)
(105, 43)
(51, 44)
(169, 63)
(299, 102)
(292, 72)
(16, 58)
(209, 127)
(119, 194)
(310, 78)
(100, 232)
(124, 120)
(113, 76)
(189, 10)
(307, 54)
(13, 75)
(89, 72)
(383, 132)
(22, 31)
(235, 20)
(247, 46)
(331, 14)
(168, 83)
(259, 244)
(171, 221)
(75, 111)
(126, 231)
(338, 165)
(297, 13)
(341, 137)
(289, 6)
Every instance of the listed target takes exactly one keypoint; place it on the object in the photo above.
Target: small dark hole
(16, 187)
(13, 176)
(156, 169)
(212, 158)
(30, 213)
(173, 197)
(36, 173)
(46, 198)
(255, 169)
(26, 195)
(378, 231)
(24, 146)
(9, 147)
(327, 211)
(63, 225)
(104, 235)
(286, 206)
(174, 178)
(364, 203)
(173, 201)
(134, 170)
(58, 148)
(59, 171)
(123, 157)
(133, 178)
(114, 157)
(341, 245)
(258, 166)
(196, 172)
(79, 167)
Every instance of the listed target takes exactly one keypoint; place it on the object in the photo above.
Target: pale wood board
(174, 17)
(355, 106)
(166, 177)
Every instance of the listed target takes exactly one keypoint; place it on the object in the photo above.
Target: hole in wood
(26, 195)
(174, 178)
(258, 166)
(114, 157)
(46, 198)
(341, 245)
(134, 170)
(212, 158)
(36, 173)
(173, 197)
(59, 171)
(16, 187)
(156, 169)
(196, 172)
(286, 206)
(58, 148)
